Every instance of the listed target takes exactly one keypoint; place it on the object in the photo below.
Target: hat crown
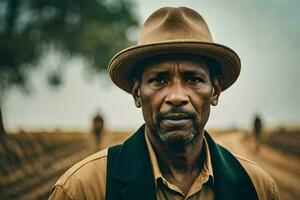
(174, 24)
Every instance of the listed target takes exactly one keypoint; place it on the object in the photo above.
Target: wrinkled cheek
(205, 113)
(148, 113)
(203, 110)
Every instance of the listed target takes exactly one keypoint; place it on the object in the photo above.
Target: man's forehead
(183, 62)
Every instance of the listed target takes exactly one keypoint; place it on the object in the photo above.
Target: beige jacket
(87, 179)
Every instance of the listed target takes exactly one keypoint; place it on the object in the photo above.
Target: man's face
(175, 95)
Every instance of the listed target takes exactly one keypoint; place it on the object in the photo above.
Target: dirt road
(284, 169)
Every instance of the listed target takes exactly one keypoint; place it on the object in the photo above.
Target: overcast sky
(265, 34)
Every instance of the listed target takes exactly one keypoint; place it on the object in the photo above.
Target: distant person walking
(97, 129)
(257, 131)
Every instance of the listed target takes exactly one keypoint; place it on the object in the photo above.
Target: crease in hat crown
(169, 24)
(173, 30)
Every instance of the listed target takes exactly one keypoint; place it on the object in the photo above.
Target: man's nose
(176, 94)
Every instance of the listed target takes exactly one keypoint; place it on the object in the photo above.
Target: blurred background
(58, 105)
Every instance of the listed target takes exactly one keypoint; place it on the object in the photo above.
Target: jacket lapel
(231, 179)
(133, 169)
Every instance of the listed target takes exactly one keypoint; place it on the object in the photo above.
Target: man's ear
(216, 83)
(136, 93)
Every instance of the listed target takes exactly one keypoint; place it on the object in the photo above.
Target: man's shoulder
(263, 182)
(86, 179)
(254, 170)
(85, 167)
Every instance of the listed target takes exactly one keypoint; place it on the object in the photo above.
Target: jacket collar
(231, 179)
(133, 168)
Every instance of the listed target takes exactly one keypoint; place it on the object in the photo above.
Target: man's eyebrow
(155, 69)
(162, 73)
(194, 72)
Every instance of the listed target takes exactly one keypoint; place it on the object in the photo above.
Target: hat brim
(122, 63)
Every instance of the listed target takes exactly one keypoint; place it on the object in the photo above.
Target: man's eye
(159, 80)
(194, 80)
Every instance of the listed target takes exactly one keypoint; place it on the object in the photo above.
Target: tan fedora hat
(170, 31)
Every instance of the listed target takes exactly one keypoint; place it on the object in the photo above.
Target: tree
(94, 29)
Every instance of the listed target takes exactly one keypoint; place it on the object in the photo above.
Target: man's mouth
(176, 119)
(176, 116)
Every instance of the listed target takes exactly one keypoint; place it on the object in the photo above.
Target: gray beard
(176, 140)
(176, 143)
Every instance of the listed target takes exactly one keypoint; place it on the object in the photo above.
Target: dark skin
(175, 94)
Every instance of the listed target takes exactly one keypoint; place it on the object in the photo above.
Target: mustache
(176, 113)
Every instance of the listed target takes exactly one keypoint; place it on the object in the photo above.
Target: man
(257, 125)
(175, 73)
(97, 128)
